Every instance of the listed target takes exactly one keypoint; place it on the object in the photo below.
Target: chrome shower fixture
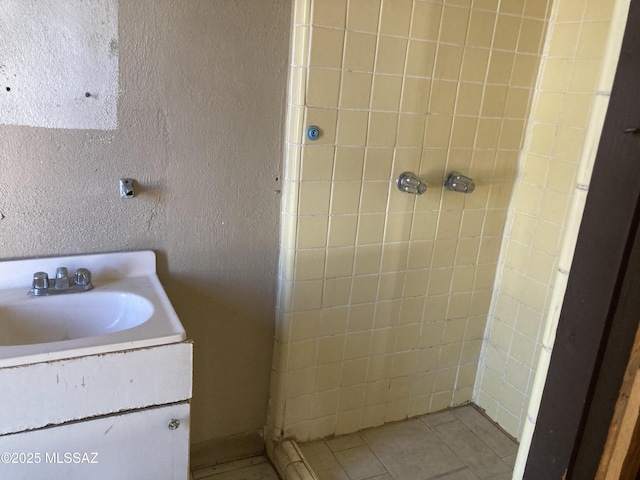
(410, 183)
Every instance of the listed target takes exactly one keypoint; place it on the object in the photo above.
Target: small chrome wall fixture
(410, 183)
(456, 182)
(126, 188)
(313, 132)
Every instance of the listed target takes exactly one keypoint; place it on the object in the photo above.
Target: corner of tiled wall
(539, 213)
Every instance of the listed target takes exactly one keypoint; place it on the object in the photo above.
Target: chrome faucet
(42, 285)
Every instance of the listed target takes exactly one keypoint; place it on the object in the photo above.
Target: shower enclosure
(393, 305)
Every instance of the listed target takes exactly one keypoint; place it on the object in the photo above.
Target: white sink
(28, 320)
(128, 308)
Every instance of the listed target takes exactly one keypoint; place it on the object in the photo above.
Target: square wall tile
(374, 197)
(360, 50)
(536, 8)
(426, 19)
(317, 163)
(363, 15)
(394, 257)
(411, 130)
(329, 13)
(570, 10)
(342, 230)
(312, 232)
(386, 92)
(309, 264)
(454, 24)
(336, 292)
(345, 198)
(481, 28)
(415, 95)
(448, 62)
(364, 289)
(326, 47)
(349, 163)
(398, 227)
(421, 56)
(525, 68)
(368, 259)
(390, 55)
(395, 17)
(474, 65)
(323, 87)
(501, 67)
(340, 261)
(469, 98)
(438, 131)
(333, 321)
(382, 129)
(356, 90)
(314, 198)
(352, 127)
(515, 7)
(531, 35)
(598, 10)
(507, 32)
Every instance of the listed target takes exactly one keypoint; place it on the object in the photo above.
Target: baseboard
(226, 449)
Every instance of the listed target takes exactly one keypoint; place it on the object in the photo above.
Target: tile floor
(456, 444)
(256, 468)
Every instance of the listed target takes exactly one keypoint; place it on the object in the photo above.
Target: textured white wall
(200, 109)
(59, 63)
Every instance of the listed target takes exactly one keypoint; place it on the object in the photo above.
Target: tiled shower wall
(384, 296)
(539, 212)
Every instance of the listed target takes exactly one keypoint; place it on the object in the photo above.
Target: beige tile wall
(384, 296)
(539, 211)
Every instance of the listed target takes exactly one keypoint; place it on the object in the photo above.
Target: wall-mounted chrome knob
(126, 188)
(456, 182)
(408, 182)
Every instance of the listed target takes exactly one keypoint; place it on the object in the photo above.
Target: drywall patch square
(59, 63)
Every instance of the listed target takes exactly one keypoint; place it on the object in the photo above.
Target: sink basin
(127, 308)
(31, 320)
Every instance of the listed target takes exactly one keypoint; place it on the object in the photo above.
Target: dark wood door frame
(601, 308)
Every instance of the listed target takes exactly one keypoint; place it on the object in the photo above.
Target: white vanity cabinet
(136, 445)
(121, 415)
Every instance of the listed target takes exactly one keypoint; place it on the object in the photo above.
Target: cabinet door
(148, 444)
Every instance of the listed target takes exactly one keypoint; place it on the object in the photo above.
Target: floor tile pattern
(456, 444)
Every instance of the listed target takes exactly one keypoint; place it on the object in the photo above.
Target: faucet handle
(457, 182)
(40, 281)
(82, 277)
(409, 182)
